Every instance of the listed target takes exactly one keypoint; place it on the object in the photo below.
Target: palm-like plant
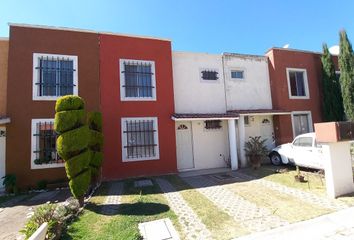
(256, 150)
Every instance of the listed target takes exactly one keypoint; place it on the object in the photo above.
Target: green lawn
(138, 205)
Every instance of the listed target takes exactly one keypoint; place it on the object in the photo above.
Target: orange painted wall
(113, 48)
(4, 51)
(279, 60)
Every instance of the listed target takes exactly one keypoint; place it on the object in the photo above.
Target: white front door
(185, 159)
(267, 131)
(2, 154)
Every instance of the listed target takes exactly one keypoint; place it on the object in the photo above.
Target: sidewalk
(338, 225)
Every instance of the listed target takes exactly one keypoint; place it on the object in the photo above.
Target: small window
(297, 81)
(140, 139)
(237, 74)
(182, 127)
(209, 75)
(247, 120)
(137, 80)
(44, 154)
(213, 124)
(265, 121)
(53, 76)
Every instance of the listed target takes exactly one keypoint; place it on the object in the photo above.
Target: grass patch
(285, 206)
(315, 182)
(219, 223)
(137, 205)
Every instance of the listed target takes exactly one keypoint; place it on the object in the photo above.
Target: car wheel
(275, 159)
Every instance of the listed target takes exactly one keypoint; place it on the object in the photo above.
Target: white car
(303, 151)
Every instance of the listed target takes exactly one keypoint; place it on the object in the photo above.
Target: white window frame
(239, 70)
(124, 139)
(36, 57)
(307, 92)
(34, 143)
(209, 69)
(122, 80)
(309, 120)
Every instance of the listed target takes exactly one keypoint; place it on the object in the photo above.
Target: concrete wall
(252, 92)
(4, 51)
(209, 144)
(193, 95)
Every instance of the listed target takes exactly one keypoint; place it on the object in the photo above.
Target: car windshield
(303, 142)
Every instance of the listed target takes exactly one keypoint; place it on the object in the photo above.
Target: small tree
(94, 121)
(346, 65)
(332, 96)
(72, 143)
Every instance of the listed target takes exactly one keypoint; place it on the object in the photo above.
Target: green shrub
(42, 184)
(69, 102)
(74, 165)
(96, 159)
(95, 140)
(9, 182)
(68, 120)
(94, 120)
(80, 183)
(72, 142)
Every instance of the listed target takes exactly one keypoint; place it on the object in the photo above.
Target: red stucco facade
(279, 61)
(112, 49)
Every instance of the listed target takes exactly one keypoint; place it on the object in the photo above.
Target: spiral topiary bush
(94, 121)
(73, 142)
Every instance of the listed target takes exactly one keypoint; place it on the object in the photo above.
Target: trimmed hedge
(95, 140)
(68, 120)
(69, 102)
(72, 142)
(80, 184)
(96, 159)
(74, 165)
(94, 120)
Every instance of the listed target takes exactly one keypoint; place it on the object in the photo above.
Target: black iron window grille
(45, 150)
(55, 76)
(209, 75)
(212, 124)
(140, 139)
(138, 79)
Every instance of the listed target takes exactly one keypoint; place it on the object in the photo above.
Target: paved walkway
(14, 212)
(192, 226)
(334, 226)
(311, 198)
(112, 201)
(250, 216)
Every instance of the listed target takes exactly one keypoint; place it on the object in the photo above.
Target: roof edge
(292, 50)
(84, 31)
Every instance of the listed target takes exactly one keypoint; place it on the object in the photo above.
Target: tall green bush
(346, 66)
(94, 121)
(332, 95)
(72, 143)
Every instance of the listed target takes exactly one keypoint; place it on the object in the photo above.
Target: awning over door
(204, 116)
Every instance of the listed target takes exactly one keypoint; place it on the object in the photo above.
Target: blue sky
(197, 25)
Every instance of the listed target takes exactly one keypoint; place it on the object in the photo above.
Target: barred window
(137, 79)
(212, 124)
(44, 144)
(54, 76)
(140, 140)
(209, 75)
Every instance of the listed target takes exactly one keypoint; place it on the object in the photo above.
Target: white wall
(253, 92)
(193, 95)
(257, 128)
(208, 144)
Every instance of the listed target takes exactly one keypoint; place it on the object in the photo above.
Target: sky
(249, 26)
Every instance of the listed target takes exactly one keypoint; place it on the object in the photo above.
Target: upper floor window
(297, 83)
(209, 74)
(44, 154)
(140, 139)
(237, 74)
(137, 80)
(54, 75)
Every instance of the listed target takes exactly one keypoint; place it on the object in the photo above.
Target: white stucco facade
(192, 94)
(253, 90)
